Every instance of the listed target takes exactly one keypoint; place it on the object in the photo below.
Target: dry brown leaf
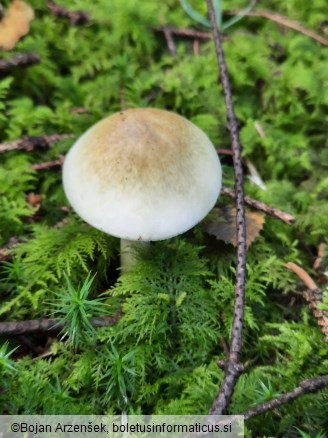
(223, 225)
(34, 200)
(15, 24)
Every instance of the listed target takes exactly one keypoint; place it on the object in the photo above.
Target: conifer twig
(314, 297)
(30, 143)
(305, 387)
(17, 328)
(259, 205)
(19, 60)
(233, 366)
(284, 21)
(74, 17)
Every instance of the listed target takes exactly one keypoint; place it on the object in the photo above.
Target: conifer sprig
(6, 363)
(74, 309)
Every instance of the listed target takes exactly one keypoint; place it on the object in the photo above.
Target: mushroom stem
(128, 253)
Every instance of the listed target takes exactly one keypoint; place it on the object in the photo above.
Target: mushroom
(142, 175)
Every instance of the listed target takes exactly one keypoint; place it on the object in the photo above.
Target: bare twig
(259, 128)
(259, 205)
(314, 297)
(253, 176)
(5, 250)
(185, 32)
(17, 328)
(169, 40)
(19, 60)
(284, 21)
(79, 110)
(31, 143)
(74, 17)
(49, 164)
(224, 151)
(224, 346)
(321, 252)
(305, 387)
(280, 19)
(195, 47)
(233, 366)
(303, 275)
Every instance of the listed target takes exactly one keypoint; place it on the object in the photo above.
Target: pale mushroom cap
(142, 174)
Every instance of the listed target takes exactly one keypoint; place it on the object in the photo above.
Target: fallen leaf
(34, 200)
(15, 24)
(223, 225)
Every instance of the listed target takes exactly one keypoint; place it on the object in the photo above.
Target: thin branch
(277, 18)
(233, 366)
(259, 128)
(317, 265)
(5, 250)
(305, 387)
(314, 297)
(17, 328)
(49, 164)
(20, 60)
(259, 205)
(185, 32)
(195, 47)
(170, 41)
(284, 21)
(224, 346)
(31, 143)
(79, 110)
(303, 275)
(74, 17)
(224, 151)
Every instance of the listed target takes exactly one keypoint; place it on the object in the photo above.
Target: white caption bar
(170, 426)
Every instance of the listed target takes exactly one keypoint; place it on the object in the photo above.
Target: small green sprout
(120, 375)
(74, 310)
(218, 14)
(6, 364)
